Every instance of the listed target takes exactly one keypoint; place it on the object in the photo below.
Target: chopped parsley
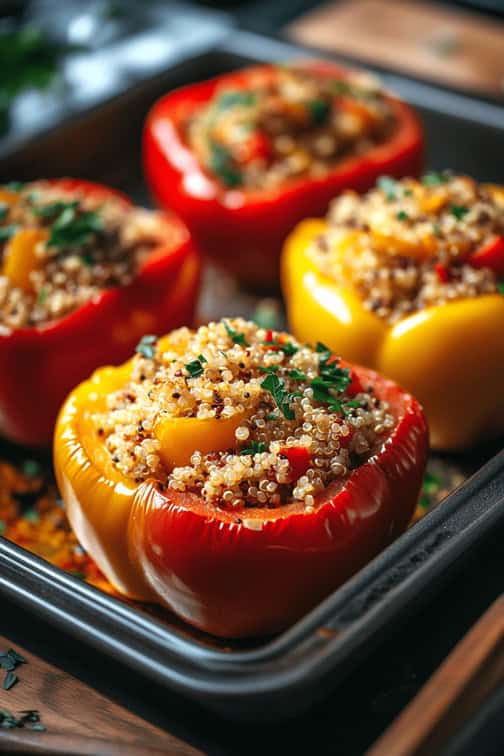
(73, 229)
(388, 186)
(269, 369)
(147, 346)
(296, 375)
(341, 87)
(459, 211)
(434, 178)
(436, 229)
(283, 399)
(236, 97)
(402, 216)
(3, 527)
(319, 111)
(54, 208)
(256, 447)
(4, 210)
(235, 336)
(195, 368)
(13, 186)
(221, 163)
(31, 468)
(500, 287)
(287, 347)
(42, 296)
(7, 232)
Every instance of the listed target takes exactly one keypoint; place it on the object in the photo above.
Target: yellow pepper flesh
(86, 473)
(21, 256)
(451, 356)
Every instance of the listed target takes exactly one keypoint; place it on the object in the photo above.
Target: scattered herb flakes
(3, 527)
(236, 97)
(434, 178)
(202, 358)
(13, 186)
(235, 336)
(431, 483)
(7, 232)
(436, 229)
(195, 368)
(256, 447)
(500, 287)
(42, 296)
(147, 346)
(31, 468)
(459, 211)
(402, 216)
(287, 347)
(388, 186)
(54, 208)
(30, 718)
(10, 680)
(74, 229)
(319, 111)
(4, 211)
(283, 399)
(87, 259)
(269, 369)
(31, 515)
(296, 375)
(341, 87)
(222, 164)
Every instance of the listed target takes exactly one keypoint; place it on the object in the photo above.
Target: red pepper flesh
(244, 230)
(490, 255)
(41, 364)
(299, 460)
(233, 577)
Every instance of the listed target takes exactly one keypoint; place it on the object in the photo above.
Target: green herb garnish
(434, 178)
(235, 336)
(13, 186)
(7, 232)
(195, 368)
(256, 447)
(319, 111)
(54, 208)
(341, 87)
(31, 468)
(459, 211)
(388, 186)
(269, 369)
(287, 347)
(236, 97)
(31, 515)
(500, 287)
(431, 483)
(3, 527)
(283, 399)
(436, 229)
(402, 216)
(72, 229)
(4, 211)
(146, 346)
(221, 163)
(10, 680)
(42, 296)
(296, 375)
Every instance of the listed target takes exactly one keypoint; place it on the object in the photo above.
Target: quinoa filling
(291, 124)
(301, 420)
(407, 245)
(77, 246)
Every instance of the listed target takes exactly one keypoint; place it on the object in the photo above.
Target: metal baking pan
(268, 678)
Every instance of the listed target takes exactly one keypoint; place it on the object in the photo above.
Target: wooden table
(83, 695)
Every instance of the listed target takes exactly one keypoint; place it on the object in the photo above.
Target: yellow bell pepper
(21, 256)
(85, 472)
(450, 356)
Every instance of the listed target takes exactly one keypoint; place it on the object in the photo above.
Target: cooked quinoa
(288, 123)
(306, 421)
(407, 245)
(90, 244)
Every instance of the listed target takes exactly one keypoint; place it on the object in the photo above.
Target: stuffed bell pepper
(83, 274)
(244, 157)
(235, 475)
(409, 280)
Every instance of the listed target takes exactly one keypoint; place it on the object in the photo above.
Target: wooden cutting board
(77, 718)
(451, 47)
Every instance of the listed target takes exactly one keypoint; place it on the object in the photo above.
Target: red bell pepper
(41, 364)
(254, 572)
(244, 230)
(490, 255)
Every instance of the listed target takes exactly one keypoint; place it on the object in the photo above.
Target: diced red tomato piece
(299, 460)
(442, 273)
(490, 255)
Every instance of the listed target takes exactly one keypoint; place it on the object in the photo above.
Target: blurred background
(58, 57)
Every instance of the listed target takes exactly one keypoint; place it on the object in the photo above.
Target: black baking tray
(266, 678)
